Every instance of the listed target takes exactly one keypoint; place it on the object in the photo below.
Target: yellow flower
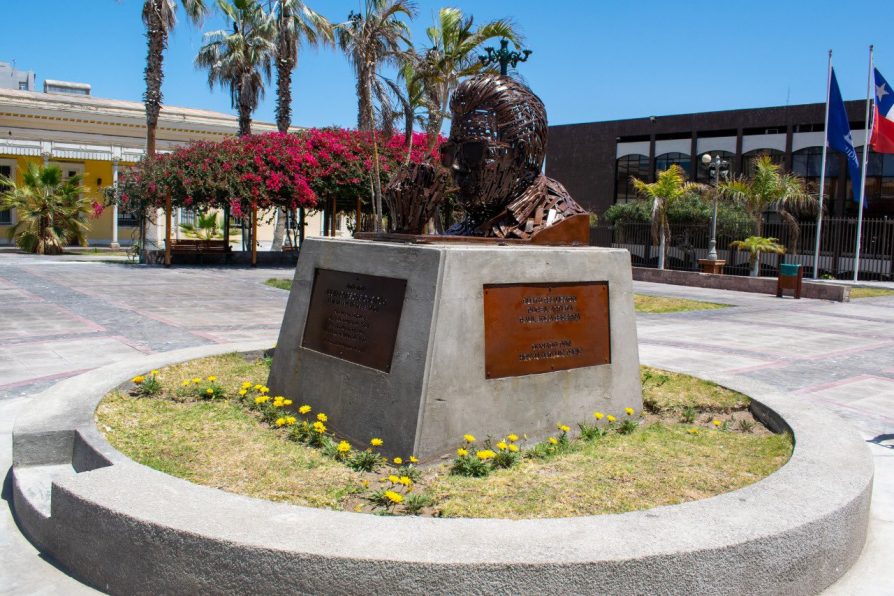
(398, 461)
(280, 422)
(258, 387)
(564, 428)
(598, 415)
(513, 447)
(290, 420)
(393, 479)
(277, 401)
(139, 379)
(212, 378)
(287, 402)
(693, 431)
(262, 399)
(715, 422)
(462, 452)
(405, 480)
(358, 508)
(485, 454)
(185, 383)
(502, 446)
(209, 391)
(628, 411)
(197, 380)
(469, 438)
(393, 496)
(264, 389)
(319, 427)
(610, 418)
(513, 438)
(376, 442)
(153, 372)
(343, 447)
(322, 417)
(246, 384)
(413, 459)
(304, 409)
(242, 392)
(553, 441)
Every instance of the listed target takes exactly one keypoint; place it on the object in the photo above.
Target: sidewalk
(63, 317)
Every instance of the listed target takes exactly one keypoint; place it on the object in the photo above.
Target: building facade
(595, 161)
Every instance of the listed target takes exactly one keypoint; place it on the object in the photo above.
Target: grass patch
(662, 304)
(279, 283)
(857, 293)
(221, 443)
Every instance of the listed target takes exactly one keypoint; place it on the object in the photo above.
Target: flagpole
(863, 169)
(822, 186)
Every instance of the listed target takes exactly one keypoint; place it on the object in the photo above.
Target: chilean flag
(882, 139)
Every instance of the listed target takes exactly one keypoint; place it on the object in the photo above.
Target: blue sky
(592, 60)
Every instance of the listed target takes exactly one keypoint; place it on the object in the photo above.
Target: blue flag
(838, 136)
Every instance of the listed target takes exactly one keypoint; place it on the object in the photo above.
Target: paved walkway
(63, 316)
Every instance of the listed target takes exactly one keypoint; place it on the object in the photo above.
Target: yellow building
(97, 138)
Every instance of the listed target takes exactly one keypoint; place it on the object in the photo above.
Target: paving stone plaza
(63, 316)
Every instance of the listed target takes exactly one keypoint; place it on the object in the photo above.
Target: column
(115, 244)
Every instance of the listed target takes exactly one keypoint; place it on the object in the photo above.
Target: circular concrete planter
(125, 528)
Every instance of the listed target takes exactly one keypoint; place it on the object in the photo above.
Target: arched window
(879, 185)
(665, 160)
(626, 167)
(776, 156)
(808, 162)
(703, 172)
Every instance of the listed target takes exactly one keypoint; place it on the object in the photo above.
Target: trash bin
(790, 278)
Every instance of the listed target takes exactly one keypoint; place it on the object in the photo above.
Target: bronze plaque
(537, 328)
(354, 317)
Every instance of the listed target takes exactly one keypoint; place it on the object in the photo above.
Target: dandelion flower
(319, 427)
(304, 409)
(376, 442)
(553, 441)
(469, 438)
(196, 380)
(693, 431)
(598, 415)
(405, 480)
(280, 422)
(513, 438)
(398, 461)
(513, 447)
(185, 384)
(246, 384)
(258, 387)
(290, 420)
(502, 446)
(139, 379)
(242, 392)
(209, 391)
(153, 372)
(462, 452)
(715, 422)
(485, 454)
(264, 389)
(322, 417)
(628, 411)
(413, 459)
(393, 496)
(564, 428)
(287, 402)
(610, 418)
(343, 447)
(393, 479)
(212, 378)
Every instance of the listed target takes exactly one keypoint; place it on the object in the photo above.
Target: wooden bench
(198, 248)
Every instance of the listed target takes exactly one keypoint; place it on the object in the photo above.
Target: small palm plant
(205, 228)
(50, 209)
(756, 245)
(670, 187)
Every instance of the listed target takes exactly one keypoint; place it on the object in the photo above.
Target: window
(187, 217)
(879, 185)
(5, 214)
(666, 160)
(23, 85)
(776, 156)
(705, 174)
(808, 162)
(625, 168)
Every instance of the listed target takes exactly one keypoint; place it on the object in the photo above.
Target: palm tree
(452, 56)
(295, 23)
(370, 39)
(670, 187)
(51, 209)
(756, 245)
(205, 227)
(770, 187)
(240, 60)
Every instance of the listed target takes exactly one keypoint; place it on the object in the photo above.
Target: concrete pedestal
(711, 265)
(435, 387)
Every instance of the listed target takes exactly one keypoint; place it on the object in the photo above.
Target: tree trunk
(364, 100)
(279, 230)
(756, 265)
(301, 223)
(254, 235)
(168, 230)
(661, 248)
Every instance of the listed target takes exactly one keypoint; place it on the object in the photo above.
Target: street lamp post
(712, 264)
(504, 57)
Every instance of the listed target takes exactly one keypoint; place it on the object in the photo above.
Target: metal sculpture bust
(495, 152)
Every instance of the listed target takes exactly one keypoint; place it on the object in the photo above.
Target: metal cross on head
(504, 57)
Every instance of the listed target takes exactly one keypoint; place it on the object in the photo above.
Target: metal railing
(689, 243)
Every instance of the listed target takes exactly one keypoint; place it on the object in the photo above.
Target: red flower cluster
(269, 170)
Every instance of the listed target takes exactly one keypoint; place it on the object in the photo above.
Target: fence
(689, 243)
